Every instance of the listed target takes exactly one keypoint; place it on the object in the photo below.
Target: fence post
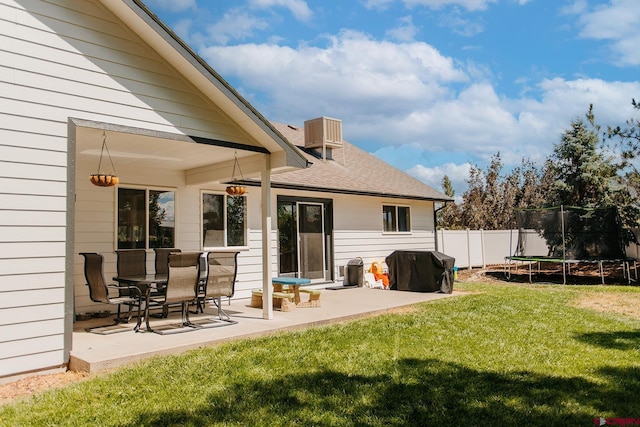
(484, 263)
(469, 248)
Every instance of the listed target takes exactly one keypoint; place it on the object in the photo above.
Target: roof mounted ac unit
(323, 132)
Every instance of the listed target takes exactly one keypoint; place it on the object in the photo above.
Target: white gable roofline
(141, 20)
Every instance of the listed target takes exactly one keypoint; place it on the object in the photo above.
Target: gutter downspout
(435, 223)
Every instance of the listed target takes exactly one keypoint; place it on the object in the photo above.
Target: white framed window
(396, 219)
(146, 218)
(224, 221)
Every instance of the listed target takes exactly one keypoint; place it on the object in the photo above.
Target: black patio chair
(222, 268)
(182, 284)
(101, 292)
(162, 267)
(131, 262)
(162, 259)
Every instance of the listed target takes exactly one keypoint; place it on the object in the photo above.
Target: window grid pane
(236, 220)
(161, 219)
(404, 218)
(132, 230)
(213, 220)
(389, 218)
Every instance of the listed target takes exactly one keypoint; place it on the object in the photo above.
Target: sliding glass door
(304, 238)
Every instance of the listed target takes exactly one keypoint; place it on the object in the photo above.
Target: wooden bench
(284, 300)
(314, 298)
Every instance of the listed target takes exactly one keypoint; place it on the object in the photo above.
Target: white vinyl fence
(479, 248)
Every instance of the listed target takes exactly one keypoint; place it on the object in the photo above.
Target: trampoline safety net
(569, 233)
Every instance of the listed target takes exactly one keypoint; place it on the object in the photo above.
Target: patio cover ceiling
(201, 160)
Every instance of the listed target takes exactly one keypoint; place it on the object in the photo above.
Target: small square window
(396, 218)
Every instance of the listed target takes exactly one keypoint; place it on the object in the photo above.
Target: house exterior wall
(72, 59)
(62, 59)
(358, 230)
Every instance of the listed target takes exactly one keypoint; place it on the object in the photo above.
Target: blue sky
(429, 86)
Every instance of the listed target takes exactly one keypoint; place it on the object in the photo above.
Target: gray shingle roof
(352, 171)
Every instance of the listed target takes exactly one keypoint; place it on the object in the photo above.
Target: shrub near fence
(479, 248)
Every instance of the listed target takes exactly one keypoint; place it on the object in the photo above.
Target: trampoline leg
(601, 272)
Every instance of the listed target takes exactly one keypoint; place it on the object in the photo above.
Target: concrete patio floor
(94, 352)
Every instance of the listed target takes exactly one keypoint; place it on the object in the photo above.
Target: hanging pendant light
(101, 179)
(236, 190)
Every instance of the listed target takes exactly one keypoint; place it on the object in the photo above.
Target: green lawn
(501, 355)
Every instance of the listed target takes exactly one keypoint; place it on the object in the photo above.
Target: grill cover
(420, 271)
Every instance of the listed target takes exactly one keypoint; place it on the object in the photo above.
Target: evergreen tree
(584, 176)
(449, 216)
(473, 207)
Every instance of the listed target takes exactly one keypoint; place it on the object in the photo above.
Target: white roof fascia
(139, 18)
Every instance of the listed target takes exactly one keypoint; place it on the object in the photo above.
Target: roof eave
(349, 192)
(140, 19)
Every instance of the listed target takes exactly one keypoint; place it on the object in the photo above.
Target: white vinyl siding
(358, 231)
(65, 59)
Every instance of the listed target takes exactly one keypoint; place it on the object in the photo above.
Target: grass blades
(499, 355)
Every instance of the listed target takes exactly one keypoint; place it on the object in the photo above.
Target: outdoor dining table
(145, 283)
(292, 283)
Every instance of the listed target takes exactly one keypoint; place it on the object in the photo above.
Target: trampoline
(568, 236)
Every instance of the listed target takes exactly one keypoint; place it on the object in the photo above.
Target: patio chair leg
(118, 315)
(185, 315)
(221, 312)
(130, 313)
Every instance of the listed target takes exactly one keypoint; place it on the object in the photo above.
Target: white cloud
(461, 26)
(616, 22)
(298, 8)
(576, 8)
(377, 4)
(351, 69)
(432, 176)
(172, 5)
(472, 5)
(405, 31)
(408, 93)
(236, 24)
(426, 109)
